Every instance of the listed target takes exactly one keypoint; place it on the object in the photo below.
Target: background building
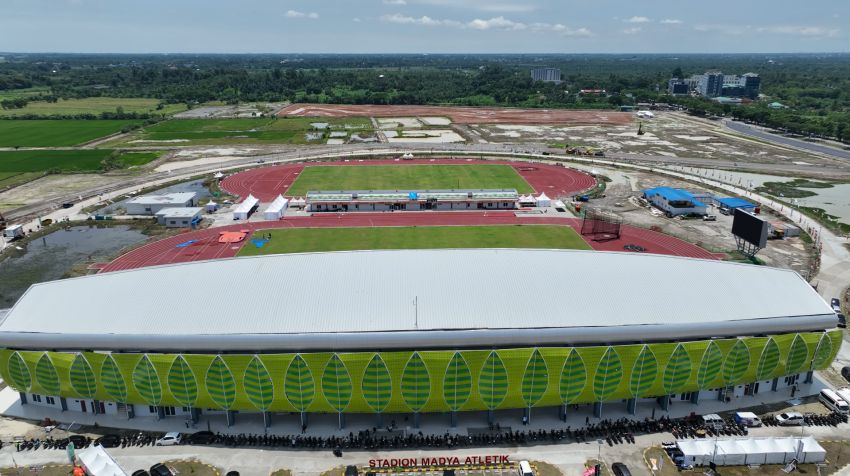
(394, 331)
(547, 75)
(151, 204)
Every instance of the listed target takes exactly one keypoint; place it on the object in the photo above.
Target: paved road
(782, 140)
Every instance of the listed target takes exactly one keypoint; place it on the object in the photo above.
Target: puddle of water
(51, 256)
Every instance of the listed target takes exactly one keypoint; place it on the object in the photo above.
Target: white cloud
(395, 2)
(356, 19)
(670, 21)
(633, 31)
(724, 29)
(562, 29)
(297, 14)
(637, 20)
(812, 31)
(497, 23)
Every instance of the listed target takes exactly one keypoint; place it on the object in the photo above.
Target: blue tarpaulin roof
(735, 202)
(673, 195)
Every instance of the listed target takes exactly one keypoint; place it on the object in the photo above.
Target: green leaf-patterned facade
(462, 380)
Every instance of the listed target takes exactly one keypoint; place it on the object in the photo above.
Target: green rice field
(408, 177)
(21, 166)
(56, 133)
(94, 105)
(302, 240)
(292, 130)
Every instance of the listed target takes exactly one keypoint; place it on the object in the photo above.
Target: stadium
(414, 332)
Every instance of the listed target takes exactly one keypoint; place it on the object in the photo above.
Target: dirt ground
(464, 115)
(621, 199)
(50, 187)
(230, 111)
(669, 134)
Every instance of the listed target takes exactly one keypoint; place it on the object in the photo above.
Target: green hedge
(427, 381)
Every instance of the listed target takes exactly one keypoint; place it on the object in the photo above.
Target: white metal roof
(246, 204)
(463, 298)
(278, 205)
(179, 212)
(177, 198)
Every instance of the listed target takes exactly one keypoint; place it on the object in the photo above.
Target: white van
(844, 393)
(525, 469)
(713, 421)
(832, 401)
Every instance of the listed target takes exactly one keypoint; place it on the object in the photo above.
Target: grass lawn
(401, 177)
(243, 131)
(56, 133)
(95, 106)
(22, 166)
(23, 93)
(300, 240)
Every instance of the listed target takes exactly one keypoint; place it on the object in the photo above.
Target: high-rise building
(678, 87)
(547, 75)
(751, 83)
(711, 84)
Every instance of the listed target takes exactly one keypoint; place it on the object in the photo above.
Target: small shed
(276, 209)
(13, 232)
(211, 206)
(543, 200)
(733, 203)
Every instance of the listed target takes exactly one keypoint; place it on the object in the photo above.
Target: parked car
(748, 419)
(160, 469)
(709, 218)
(108, 441)
(619, 469)
(842, 321)
(790, 419)
(169, 439)
(141, 472)
(201, 438)
(79, 441)
(845, 372)
(836, 305)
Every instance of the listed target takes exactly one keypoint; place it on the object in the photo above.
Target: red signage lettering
(438, 461)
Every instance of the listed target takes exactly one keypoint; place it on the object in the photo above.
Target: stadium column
(195, 414)
(774, 384)
(23, 398)
(562, 412)
(631, 406)
(597, 409)
(665, 403)
(416, 419)
(809, 376)
(267, 419)
(341, 420)
(231, 417)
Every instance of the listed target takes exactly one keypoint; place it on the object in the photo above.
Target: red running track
(266, 183)
(205, 243)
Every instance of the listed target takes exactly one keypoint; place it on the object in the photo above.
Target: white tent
(97, 462)
(298, 202)
(211, 206)
(543, 200)
(244, 209)
(527, 199)
(218, 176)
(276, 208)
(743, 451)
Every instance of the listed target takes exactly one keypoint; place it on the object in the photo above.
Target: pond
(51, 256)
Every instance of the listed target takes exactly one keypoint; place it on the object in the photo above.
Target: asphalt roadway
(788, 141)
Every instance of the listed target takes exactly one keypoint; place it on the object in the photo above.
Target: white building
(151, 204)
(179, 217)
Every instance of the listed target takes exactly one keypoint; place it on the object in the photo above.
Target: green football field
(301, 240)
(408, 177)
(56, 133)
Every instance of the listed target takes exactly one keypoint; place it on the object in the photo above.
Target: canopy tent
(211, 206)
(543, 200)
(298, 202)
(97, 462)
(745, 451)
(244, 209)
(276, 208)
(527, 200)
(218, 176)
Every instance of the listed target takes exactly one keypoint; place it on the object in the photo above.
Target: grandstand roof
(365, 299)
(407, 195)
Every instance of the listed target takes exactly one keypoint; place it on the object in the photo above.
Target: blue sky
(420, 26)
